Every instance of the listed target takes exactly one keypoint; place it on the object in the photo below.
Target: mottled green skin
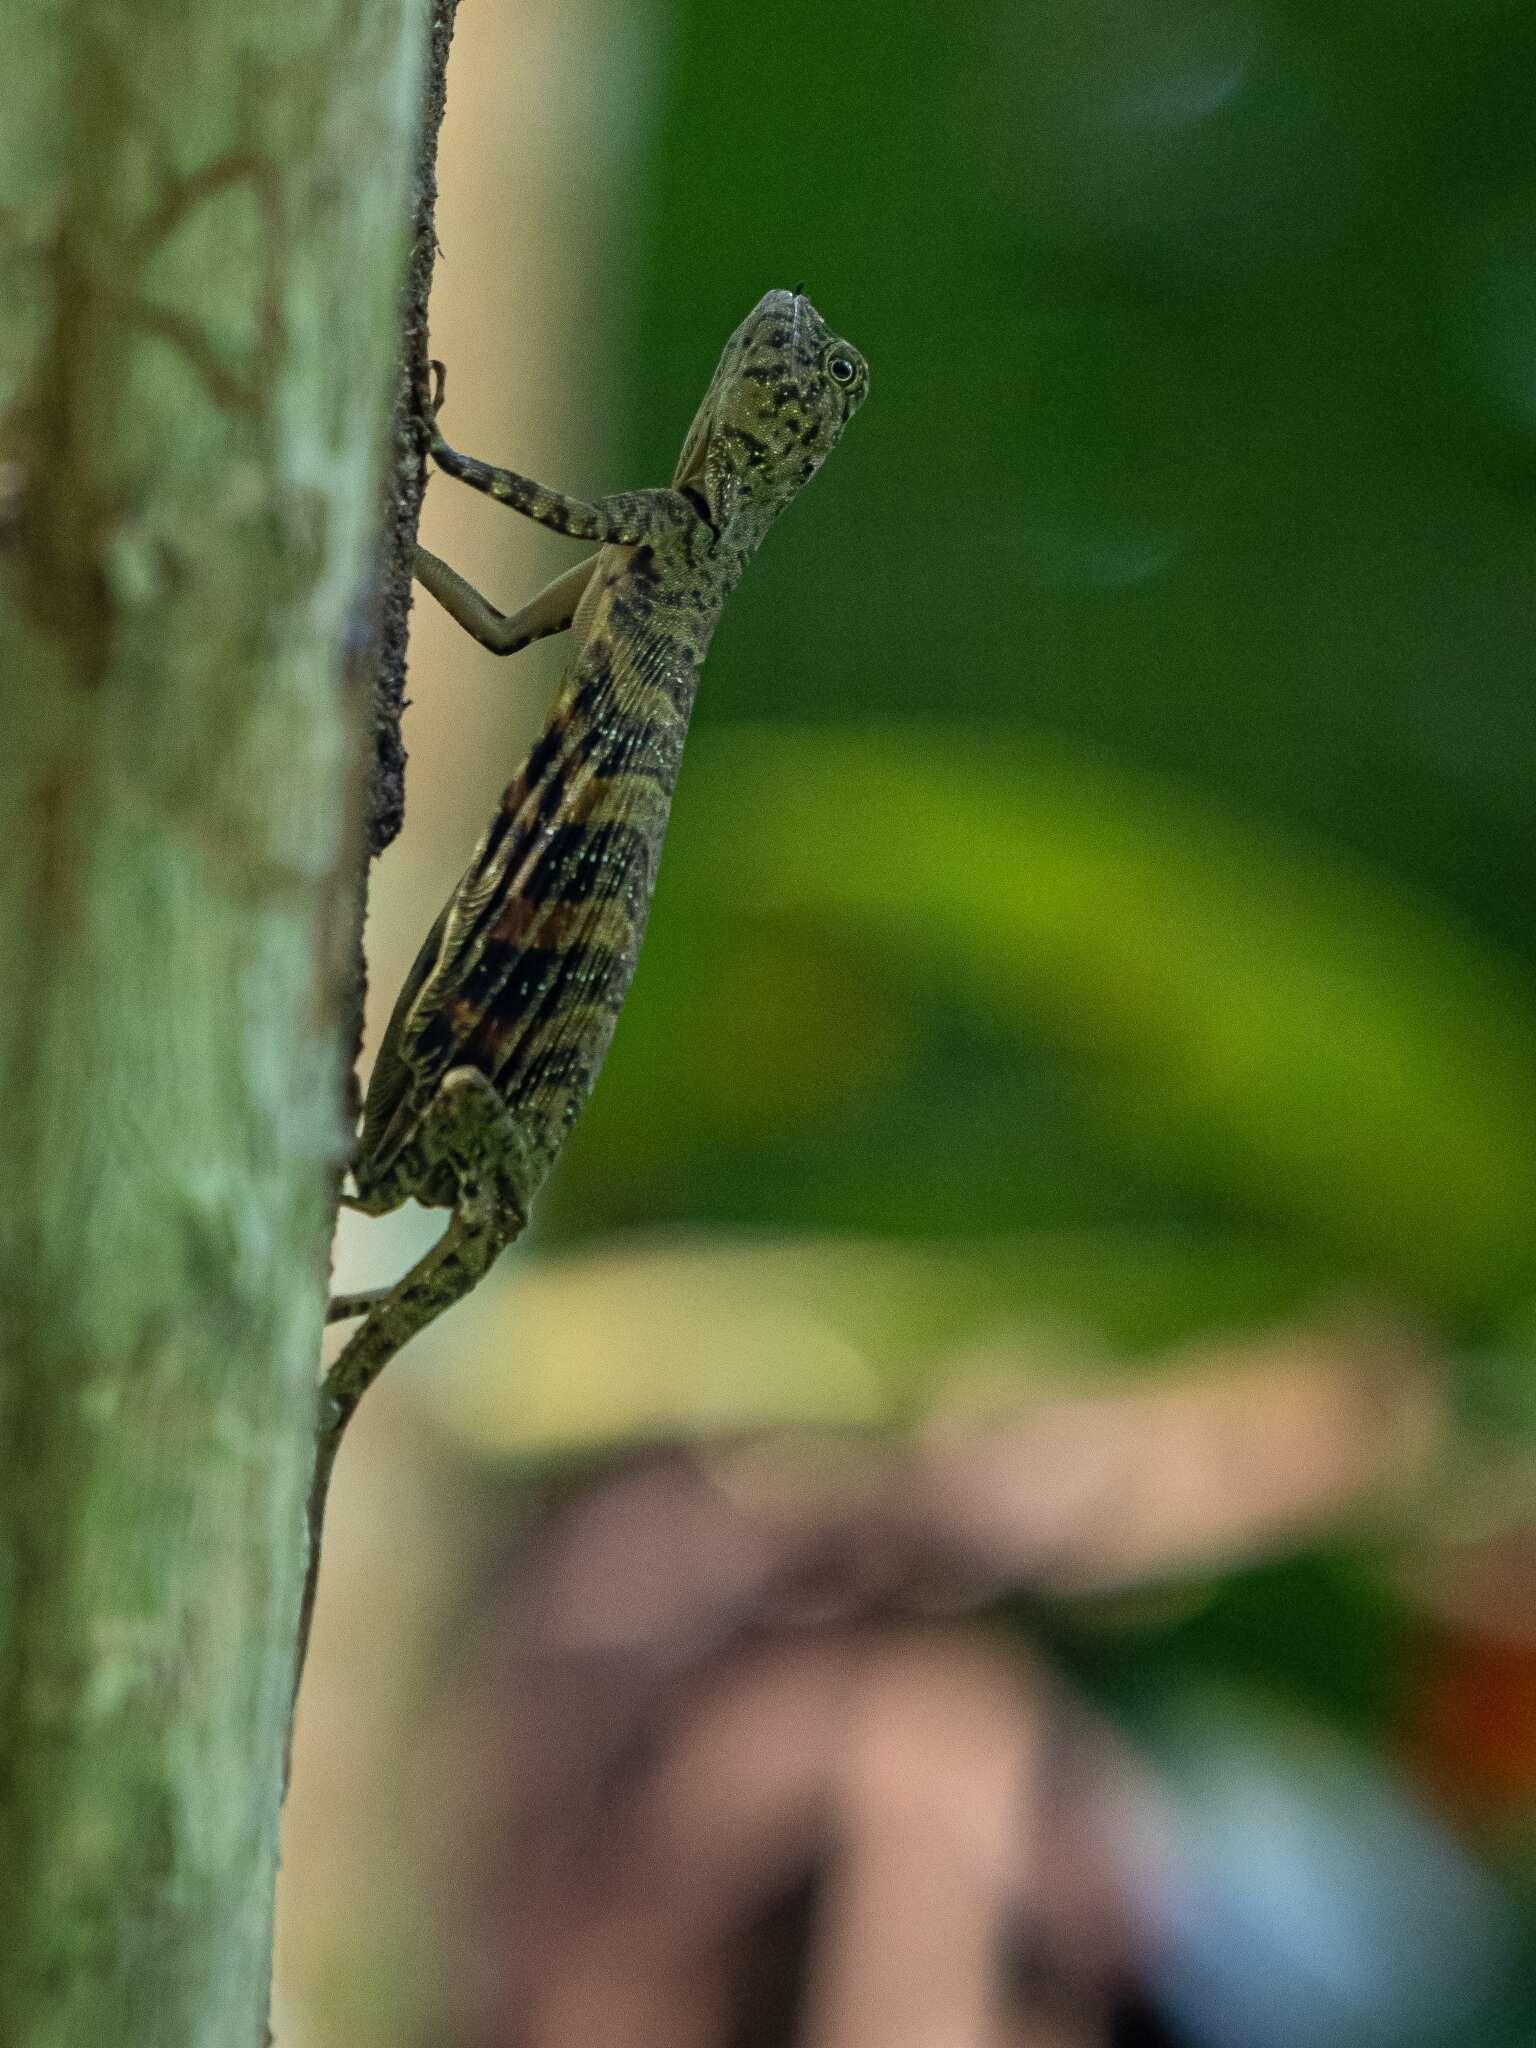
(499, 1033)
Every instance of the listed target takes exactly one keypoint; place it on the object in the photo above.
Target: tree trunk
(204, 211)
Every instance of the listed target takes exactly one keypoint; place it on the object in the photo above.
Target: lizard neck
(744, 533)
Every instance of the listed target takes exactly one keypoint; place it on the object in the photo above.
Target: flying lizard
(503, 1022)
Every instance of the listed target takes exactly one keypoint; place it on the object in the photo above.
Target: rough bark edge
(376, 657)
(407, 477)
(376, 654)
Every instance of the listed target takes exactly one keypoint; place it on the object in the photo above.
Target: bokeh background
(1097, 915)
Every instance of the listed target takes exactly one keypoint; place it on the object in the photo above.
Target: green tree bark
(203, 213)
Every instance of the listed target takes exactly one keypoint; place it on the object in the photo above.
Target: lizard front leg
(627, 519)
(550, 612)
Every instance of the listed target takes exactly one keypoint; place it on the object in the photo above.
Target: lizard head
(784, 390)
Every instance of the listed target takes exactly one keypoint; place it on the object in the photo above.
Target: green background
(1109, 805)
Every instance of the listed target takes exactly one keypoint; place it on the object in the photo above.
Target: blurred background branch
(800, 1739)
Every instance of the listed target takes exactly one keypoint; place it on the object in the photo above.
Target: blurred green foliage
(1103, 874)
(1236, 1025)
(1110, 803)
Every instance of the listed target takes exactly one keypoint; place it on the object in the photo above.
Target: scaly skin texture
(522, 977)
(501, 1028)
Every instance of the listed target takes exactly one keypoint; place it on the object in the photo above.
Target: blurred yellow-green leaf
(693, 1333)
(1300, 1042)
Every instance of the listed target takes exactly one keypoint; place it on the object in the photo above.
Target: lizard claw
(343, 1308)
(428, 383)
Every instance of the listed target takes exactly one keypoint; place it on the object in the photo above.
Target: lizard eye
(840, 368)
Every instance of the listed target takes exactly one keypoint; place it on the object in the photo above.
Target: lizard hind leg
(469, 1130)
(470, 1133)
